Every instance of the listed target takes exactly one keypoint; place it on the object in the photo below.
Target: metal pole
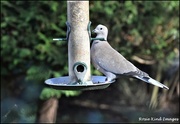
(78, 44)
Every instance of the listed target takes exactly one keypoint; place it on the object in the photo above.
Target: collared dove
(111, 63)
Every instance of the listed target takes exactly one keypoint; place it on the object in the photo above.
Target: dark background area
(146, 33)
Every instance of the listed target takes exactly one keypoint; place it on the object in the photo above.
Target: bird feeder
(78, 37)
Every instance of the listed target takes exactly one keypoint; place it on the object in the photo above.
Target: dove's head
(101, 31)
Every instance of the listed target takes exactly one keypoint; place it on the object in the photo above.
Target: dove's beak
(94, 31)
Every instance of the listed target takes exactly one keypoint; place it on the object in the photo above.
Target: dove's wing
(104, 56)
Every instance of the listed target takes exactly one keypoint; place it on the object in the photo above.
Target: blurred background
(146, 33)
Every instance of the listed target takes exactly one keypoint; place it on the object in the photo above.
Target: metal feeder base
(61, 83)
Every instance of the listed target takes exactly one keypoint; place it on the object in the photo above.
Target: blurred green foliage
(145, 28)
(27, 30)
(47, 93)
(29, 56)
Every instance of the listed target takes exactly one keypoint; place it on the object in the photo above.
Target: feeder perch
(78, 36)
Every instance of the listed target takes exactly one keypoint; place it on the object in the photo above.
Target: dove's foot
(109, 80)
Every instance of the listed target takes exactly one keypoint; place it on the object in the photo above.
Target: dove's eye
(100, 28)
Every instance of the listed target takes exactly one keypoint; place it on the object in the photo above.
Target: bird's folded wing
(112, 61)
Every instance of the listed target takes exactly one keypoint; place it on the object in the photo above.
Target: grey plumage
(111, 63)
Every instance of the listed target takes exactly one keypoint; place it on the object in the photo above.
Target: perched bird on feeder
(111, 63)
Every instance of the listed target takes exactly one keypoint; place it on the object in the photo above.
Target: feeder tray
(62, 83)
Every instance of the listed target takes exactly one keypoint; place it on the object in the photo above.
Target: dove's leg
(109, 76)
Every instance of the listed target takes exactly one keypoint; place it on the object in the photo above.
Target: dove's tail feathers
(152, 81)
